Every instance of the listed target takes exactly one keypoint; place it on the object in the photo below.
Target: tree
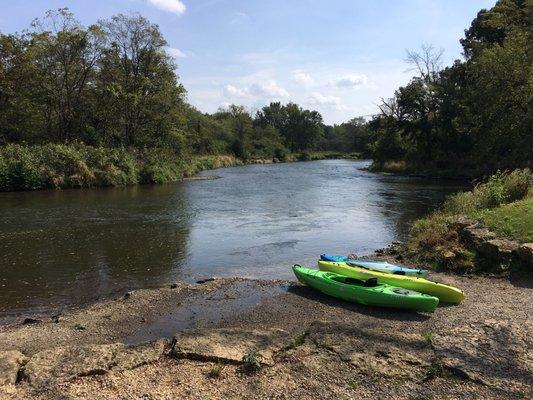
(65, 55)
(142, 100)
(301, 129)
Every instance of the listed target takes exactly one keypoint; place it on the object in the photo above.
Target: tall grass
(55, 166)
(435, 239)
(500, 188)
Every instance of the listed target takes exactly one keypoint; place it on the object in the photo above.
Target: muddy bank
(189, 342)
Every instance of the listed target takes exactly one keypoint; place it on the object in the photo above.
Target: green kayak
(368, 292)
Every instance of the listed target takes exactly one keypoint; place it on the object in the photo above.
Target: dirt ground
(305, 346)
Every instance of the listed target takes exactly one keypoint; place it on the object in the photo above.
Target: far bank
(59, 166)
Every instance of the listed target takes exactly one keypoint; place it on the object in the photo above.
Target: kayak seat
(371, 282)
(399, 272)
(353, 281)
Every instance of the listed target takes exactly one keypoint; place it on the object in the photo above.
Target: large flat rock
(65, 363)
(385, 353)
(228, 344)
(497, 353)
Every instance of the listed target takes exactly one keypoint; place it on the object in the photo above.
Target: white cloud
(258, 90)
(176, 53)
(303, 78)
(269, 88)
(173, 6)
(319, 99)
(233, 91)
(350, 81)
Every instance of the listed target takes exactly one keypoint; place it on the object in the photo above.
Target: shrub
(159, 166)
(281, 152)
(500, 188)
(111, 167)
(304, 156)
(20, 168)
(252, 361)
(436, 238)
(216, 370)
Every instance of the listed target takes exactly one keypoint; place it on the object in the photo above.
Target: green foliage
(428, 337)
(435, 370)
(472, 117)
(499, 189)
(159, 165)
(513, 221)
(102, 105)
(216, 370)
(300, 129)
(55, 166)
(252, 361)
(351, 136)
(503, 204)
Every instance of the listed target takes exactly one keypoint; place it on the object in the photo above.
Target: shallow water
(72, 247)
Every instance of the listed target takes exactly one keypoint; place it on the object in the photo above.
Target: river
(67, 248)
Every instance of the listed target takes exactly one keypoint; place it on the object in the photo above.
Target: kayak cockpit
(371, 282)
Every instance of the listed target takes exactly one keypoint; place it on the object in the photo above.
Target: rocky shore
(241, 338)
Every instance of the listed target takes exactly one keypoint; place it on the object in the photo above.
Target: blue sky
(338, 56)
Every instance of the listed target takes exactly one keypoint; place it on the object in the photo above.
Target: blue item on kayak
(382, 266)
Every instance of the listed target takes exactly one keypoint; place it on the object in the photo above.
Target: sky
(335, 56)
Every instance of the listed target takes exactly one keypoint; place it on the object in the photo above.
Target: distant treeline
(113, 86)
(473, 117)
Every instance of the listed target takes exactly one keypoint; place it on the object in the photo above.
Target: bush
(436, 238)
(111, 167)
(159, 166)
(500, 188)
(304, 156)
(20, 168)
(252, 361)
(281, 152)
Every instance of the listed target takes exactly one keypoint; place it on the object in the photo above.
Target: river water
(68, 248)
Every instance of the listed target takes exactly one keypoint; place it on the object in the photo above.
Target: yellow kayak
(448, 294)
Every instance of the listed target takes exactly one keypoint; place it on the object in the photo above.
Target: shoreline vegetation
(102, 105)
(120, 117)
(487, 229)
(58, 166)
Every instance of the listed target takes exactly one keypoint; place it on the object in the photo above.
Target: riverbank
(488, 229)
(401, 167)
(240, 338)
(57, 166)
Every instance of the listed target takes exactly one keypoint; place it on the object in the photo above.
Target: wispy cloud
(303, 78)
(174, 6)
(350, 81)
(269, 89)
(319, 99)
(234, 91)
(176, 53)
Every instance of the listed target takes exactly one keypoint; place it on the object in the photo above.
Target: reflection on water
(61, 248)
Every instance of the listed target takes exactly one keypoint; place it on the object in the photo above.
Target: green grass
(428, 337)
(297, 341)
(324, 155)
(513, 221)
(216, 370)
(504, 204)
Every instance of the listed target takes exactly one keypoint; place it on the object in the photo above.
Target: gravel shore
(188, 341)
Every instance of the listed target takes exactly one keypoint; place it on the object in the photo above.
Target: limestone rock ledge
(65, 363)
